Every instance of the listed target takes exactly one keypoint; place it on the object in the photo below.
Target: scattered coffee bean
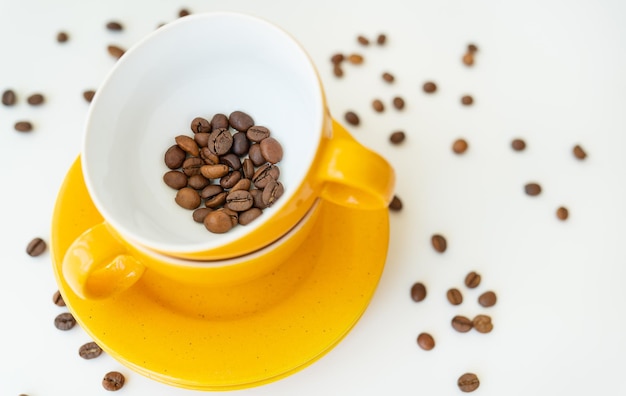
(35, 99)
(249, 215)
(579, 152)
(462, 324)
(183, 12)
(467, 100)
(240, 121)
(114, 26)
(418, 292)
(201, 139)
(257, 195)
(64, 321)
(532, 189)
(352, 118)
(395, 204)
(487, 299)
(459, 146)
(272, 192)
(254, 153)
(200, 125)
(214, 171)
(472, 280)
(355, 59)
(89, 350)
(57, 299)
(88, 95)
(175, 179)
(248, 168)
(243, 184)
(468, 382)
(337, 58)
(398, 103)
(62, 37)
(562, 213)
(482, 324)
(200, 214)
(257, 133)
(388, 77)
(363, 40)
(219, 121)
(472, 48)
(174, 157)
(429, 87)
(231, 160)
(220, 141)
(188, 198)
(218, 222)
(264, 175)
(216, 201)
(113, 381)
(241, 144)
(115, 51)
(439, 243)
(425, 341)
(36, 247)
(188, 145)
(381, 39)
(193, 166)
(23, 126)
(271, 150)
(337, 70)
(9, 98)
(454, 296)
(518, 144)
(468, 59)
(239, 200)
(397, 137)
(378, 105)
(198, 182)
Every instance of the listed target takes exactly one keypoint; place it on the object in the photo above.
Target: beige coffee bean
(188, 145)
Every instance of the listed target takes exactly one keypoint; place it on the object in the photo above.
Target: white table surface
(550, 72)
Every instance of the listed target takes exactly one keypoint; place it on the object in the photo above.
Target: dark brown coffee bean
(114, 26)
(113, 381)
(175, 179)
(398, 103)
(62, 37)
(388, 77)
(338, 70)
(192, 166)
(472, 280)
(271, 150)
(243, 184)
(174, 157)
(418, 292)
(378, 105)
(351, 118)
(210, 191)
(200, 125)
(395, 204)
(239, 200)
(240, 121)
(468, 382)
(482, 324)
(439, 243)
(188, 145)
(231, 160)
(468, 59)
(532, 189)
(241, 144)
(381, 39)
(467, 100)
(57, 299)
(362, 40)
(337, 58)
(218, 222)
(248, 168)
(64, 321)
(200, 213)
(188, 198)
(264, 175)
(183, 12)
(397, 137)
(257, 133)
(36, 247)
(272, 192)
(220, 141)
(23, 126)
(255, 155)
(214, 171)
(518, 144)
(459, 146)
(216, 201)
(230, 179)
(219, 121)
(426, 341)
(454, 296)
(562, 213)
(89, 350)
(579, 152)
(208, 157)
(249, 215)
(355, 59)
(35, 99)
(115, 51)
(429, 87)
(88, 95)
(9, 98)
(198, 182)
(461, 324)
(487, 299)
(472, 48)
(201, 139)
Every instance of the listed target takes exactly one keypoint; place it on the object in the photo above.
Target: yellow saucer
(236, 337)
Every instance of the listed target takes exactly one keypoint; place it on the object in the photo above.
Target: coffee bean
(36, 247)
(482, 324)
(35, 99)
(398, 103)
(219, 121)
(487, 299)
(579, 152)
(89, 350)
(271, 150)
(461, 324)
(208, 157)
(115, 51)
(338, 70)
(200, 125)
(64, 321)
(395, 204)
(472, 280)
(352, 118)
(272, 192)
(378, 105)
(425, 341)
(88, 95)
(214, 171)
(183, 12)
(220, 141)
(532, 189)
(198, 182)
(239, 200)
(240, 121)
(114, 26)
(355, 59)
(216, 201)
(243, 184)
(62, 37)
(467, 100)
(210, 191)
(388, 77)
(57, 299)
(175, 179)
(174, 157)
(232, 215)
(454, 296)
(363, 40)
(230, 179)
(249, 215)
(255, 155)
(257, 133)
(23, 126)
(9, 98)
(381, 39)
(264, 175)
(113, 381)
(439, 243)
(188, 145)
(248, 168)
(429, 87)
(192, 166)
(472, 48)
(241, 144)
(218, 222)
(518, 144)
(200, 214)
(257, 196)
(188, 198)
(337, 58)
(418, 292)
(468, 382)
(201, 139)
(468, 59)
(562, 213)
(397, 137)
(459, 146)
(231, 160)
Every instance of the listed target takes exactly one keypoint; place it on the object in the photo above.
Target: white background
(551, 72)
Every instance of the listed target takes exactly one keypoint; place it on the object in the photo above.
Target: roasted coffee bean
(36, 247)
(57, 299)
(337, 58)
(518, 144)
(381, 39)
(461, 324)
(532, 189)
(241, 144)
(230, 179)
(201, 139)
(9, 98)
(239, 200)
(192, 166)
(459, 146)
(198, 182)
(116, 51)
(472, 280)
(472, 48)
(214, 171)
(210, 191)
(64, 321)
(271, 150)
(248, 168)
(482, 324)
(454, 296)
(257, 196)
(174, 157)
(257, 133)
(388, 77)
(208, 157)
(216, 201)
(397, 137)
(426, 341)
(439, 243)
(338, 70)
(89, 350)
(218, 222)
(220, 141)
(23, 126)
(188, 198)
(240, 121)
(88, 95)
(249, 215)
(487, 299)
(175, 179)
(234, 216)
(188, 145)
(264, 175)
(378, 105)
(231, 160)
(418, 292)
(113, 381)
(272, 192)
(255, 155)
(183, 12)
(362, 40)
(200, 125)
(398, 103)
(562, 213)
(352, 118)
(200, 213)
(114, 26)
(579, 152)
(395, 204)
(468, 59)
(62, 37)
(243, 184)
(219, 121)
(35, 99)
(429, 87)
(355, 59)
(467, 100)
(468, 382)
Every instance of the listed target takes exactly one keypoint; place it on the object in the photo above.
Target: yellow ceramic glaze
(229, 335)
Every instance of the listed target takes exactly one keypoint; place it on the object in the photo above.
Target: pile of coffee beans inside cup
(229, 165)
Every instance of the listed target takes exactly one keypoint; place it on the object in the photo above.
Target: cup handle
(98, 265)
(353, 175)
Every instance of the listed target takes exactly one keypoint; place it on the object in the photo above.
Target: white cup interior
(198, 65)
